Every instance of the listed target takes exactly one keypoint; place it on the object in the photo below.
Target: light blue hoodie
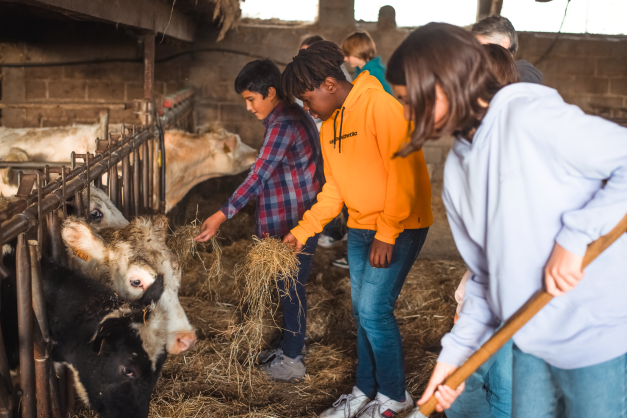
(532, 176)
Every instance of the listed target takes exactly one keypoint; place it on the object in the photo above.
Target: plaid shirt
(287, 175)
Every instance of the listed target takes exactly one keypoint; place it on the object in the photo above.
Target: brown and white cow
(129, 260)
(102, 211)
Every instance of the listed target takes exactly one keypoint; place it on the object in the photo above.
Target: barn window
(287, 10)
(584, 16)
(420, 12)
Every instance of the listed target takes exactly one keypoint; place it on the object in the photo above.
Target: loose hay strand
(270, 268)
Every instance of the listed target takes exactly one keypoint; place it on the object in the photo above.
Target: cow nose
(183, 341)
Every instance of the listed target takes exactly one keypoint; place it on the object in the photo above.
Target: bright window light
(420, 12)
(289, 10)
(583, 16)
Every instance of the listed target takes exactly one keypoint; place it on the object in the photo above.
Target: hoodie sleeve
(329, 204)
(391, 129)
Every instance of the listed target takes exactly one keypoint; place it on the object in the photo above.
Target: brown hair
(448, 56)
(359, 44)
(309, 40)
(502, 64)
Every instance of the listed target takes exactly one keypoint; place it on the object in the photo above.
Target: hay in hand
(270, 268)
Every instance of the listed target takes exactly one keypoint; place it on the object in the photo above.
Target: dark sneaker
(341, 263)
(285, 369)
(384, 407)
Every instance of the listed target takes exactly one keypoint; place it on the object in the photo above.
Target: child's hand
(445, 395)
(291, 240)
(563, 271)
(210, 226)
(381, 254)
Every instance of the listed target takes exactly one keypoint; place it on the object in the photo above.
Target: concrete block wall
(589, 71)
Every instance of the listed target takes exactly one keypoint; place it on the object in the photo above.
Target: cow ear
(81, 240)
(108, 331)
(160, 223)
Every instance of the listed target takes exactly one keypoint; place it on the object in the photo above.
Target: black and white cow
(96, 334)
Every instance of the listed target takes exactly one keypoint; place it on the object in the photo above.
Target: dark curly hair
(311, 67)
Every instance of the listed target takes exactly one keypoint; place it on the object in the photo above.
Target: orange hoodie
(382, 193)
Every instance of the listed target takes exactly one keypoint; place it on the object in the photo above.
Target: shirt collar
(273, 115)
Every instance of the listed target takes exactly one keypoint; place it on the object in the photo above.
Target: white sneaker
(328, 242)
(347, 406)
(384, 407)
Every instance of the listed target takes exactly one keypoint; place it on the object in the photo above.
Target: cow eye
(95, 215)
(128, 372)
(136, 283)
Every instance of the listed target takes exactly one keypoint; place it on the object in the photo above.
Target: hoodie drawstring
(335, 137)
(340, 138)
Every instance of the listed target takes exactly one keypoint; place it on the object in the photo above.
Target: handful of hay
(268, 264)
(181, 243)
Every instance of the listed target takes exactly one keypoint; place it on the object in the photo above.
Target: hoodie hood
(362, 86)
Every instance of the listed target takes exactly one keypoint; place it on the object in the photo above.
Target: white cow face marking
(102, 212)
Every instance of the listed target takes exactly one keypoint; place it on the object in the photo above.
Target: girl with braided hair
(389, 214)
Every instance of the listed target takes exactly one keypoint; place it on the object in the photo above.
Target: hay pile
(270, 268)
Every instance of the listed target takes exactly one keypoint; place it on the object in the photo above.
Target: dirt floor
(198, 383)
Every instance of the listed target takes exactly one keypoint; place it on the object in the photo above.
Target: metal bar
(149, 65)
(104, 124)
(41, 336)
(136, 182)
(56, 242)
(5, 371)
(151, 170)
(40, 219)
(126, 186)
(25, 324)
(112, 106)
(70, 392)
(88, 204)
(145, 178)
(55, 393)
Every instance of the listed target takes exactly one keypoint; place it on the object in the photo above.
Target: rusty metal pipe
(25, 325)
(126, 187)
(136, 182)
(56, 400)
(56, 242)
(151, 170)
(145, 178)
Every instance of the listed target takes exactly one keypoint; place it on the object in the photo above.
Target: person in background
(286, 177)
(360, 52)
(389, 208)
(530, 183)
(488, 391)
(499, 30)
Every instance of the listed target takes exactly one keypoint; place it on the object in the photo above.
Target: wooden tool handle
(540, 299)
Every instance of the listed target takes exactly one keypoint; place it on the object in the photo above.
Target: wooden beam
(153, 15)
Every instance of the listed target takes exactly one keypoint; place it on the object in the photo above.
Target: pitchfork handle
(540, 299)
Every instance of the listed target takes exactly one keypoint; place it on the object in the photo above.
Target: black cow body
(94, 332)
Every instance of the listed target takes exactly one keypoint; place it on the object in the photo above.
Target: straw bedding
(207, 382)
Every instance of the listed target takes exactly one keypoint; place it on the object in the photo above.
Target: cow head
(129, 259)
(113, 373)
(102, 212)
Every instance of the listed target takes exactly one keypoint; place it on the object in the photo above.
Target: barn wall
(589, 71)
(64, 40)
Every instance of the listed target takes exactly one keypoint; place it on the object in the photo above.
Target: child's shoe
(347, 406)
(384, 407)
(285, 369)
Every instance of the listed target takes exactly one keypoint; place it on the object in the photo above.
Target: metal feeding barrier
(38, 214)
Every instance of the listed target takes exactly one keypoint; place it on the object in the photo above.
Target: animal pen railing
(139, 153)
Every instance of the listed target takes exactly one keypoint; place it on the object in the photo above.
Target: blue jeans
(380, 365)
(295, 315)
(488, 391)
(543, 391)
